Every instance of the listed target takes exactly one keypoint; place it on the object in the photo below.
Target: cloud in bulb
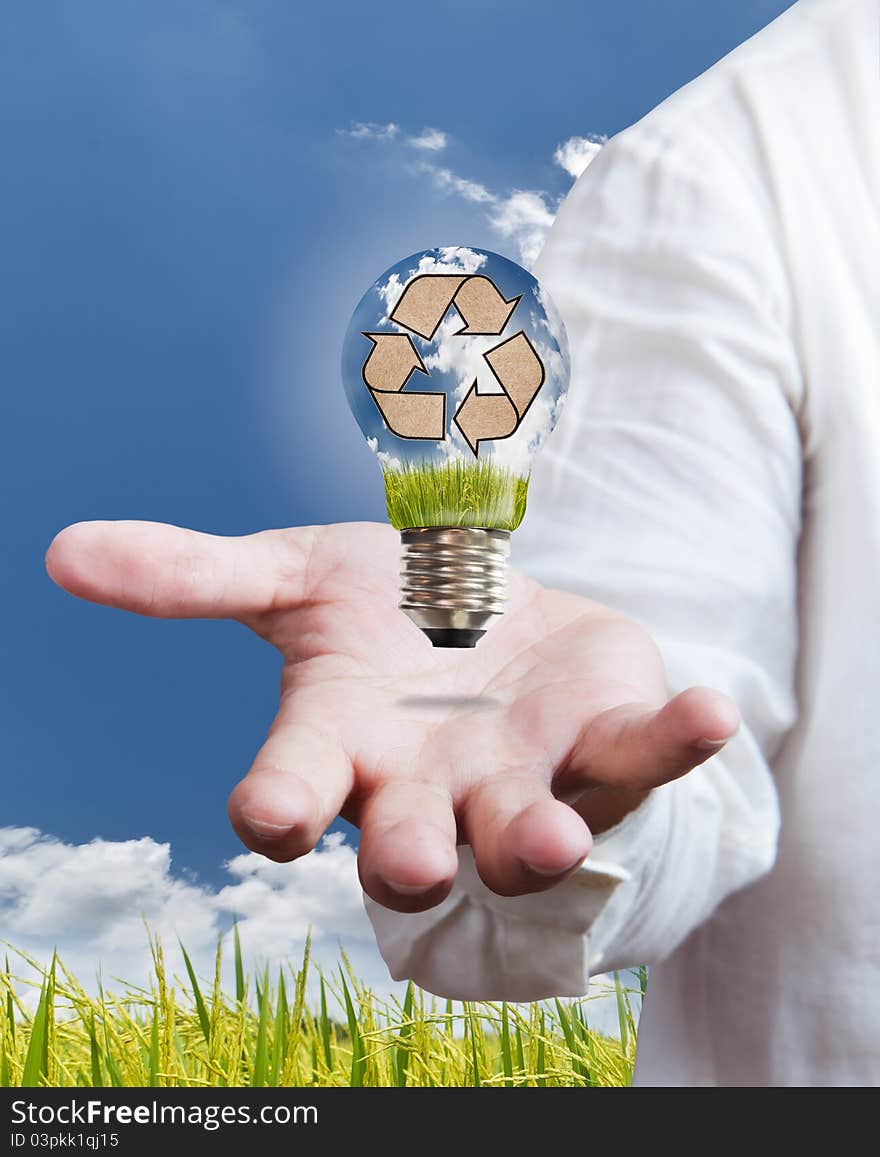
(449, 259)
(522, 219)
(454, 361)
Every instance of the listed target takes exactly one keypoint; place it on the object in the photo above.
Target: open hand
(560, 712)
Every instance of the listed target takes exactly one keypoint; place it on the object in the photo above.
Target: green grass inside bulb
(455, 494)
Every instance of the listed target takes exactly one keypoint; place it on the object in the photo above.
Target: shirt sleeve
(672, 492)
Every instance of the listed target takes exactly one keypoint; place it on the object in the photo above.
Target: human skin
(558, 723)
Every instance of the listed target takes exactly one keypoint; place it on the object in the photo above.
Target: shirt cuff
(477, 945)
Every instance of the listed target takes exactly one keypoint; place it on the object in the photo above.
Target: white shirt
(716, 475)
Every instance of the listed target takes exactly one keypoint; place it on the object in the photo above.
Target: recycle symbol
(394, 358)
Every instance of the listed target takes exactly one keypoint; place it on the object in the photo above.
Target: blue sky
(189, 213)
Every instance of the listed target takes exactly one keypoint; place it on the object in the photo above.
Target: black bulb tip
(453, 637)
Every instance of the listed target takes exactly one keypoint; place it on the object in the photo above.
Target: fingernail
(408, 889)
(710, 744)
(549, 873)
(265, 830)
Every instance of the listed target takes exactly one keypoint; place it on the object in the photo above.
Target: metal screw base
(454, 581)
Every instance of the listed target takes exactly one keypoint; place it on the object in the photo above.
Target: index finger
(170, 572)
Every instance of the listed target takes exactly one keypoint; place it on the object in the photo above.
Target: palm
(402, 708)
(420, 747)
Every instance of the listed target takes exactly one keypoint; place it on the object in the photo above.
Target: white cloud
(276, 904)
(464, 359)
(93, 895)
(390, 292)
(387, 461)
(449, 259)
(90, 902)
(452, 182)
(428, 140)
(370, 131)
(522, 217)
(432, 140)
(453, 259)
(461, 356)
(518, 452)
(525, 218)
(576, 153)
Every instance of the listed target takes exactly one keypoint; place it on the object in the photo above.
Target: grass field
(187, 1032)
(455, 493)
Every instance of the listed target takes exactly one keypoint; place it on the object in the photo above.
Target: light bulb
(456, 368)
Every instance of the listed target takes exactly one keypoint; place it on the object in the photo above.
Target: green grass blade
(152, 1036)
(571, 1035)
(325, 1029)
(279, 1050)
(201, 1007)
(299, 998)
(520, 1050)
(356, 1077)
(506, 1054)
(455, 493)
(50, 1014)
(582, 1031)
(109, 1060)
(313, 1050)
(260, 1064)
(10, 1004)
(475, 1060)
(622, 1011)
(154, 1050)
(541, 1057)
(402, 1052)
(8, 1032)
(36, 1064)
(239, 965)
(97, 1076)
(565, 1024)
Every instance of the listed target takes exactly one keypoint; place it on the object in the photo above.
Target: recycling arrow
(491, 417)
(393, 359)
(425, 300)
(389, 365)
(483, 308)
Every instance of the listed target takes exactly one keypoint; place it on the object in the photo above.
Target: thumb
(170, 572)
(638, 747)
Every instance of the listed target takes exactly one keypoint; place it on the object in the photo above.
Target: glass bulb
(456, 368)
